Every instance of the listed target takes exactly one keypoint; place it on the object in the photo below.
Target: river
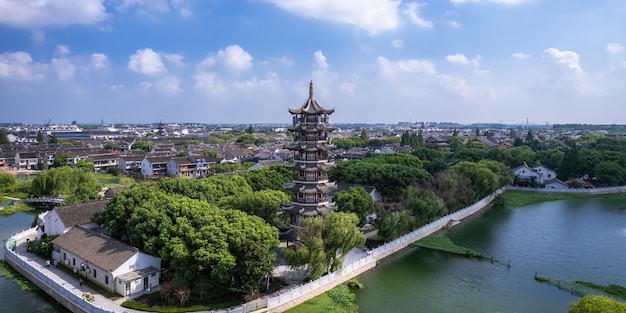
(576, 239)
(12, 298)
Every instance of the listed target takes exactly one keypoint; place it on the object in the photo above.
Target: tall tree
(570, 165)
(324, 243)
(4, 138)
(74, 184)
(364, 136)
(61, 159)
(355, 200)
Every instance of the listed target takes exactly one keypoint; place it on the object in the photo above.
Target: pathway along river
(576, 239)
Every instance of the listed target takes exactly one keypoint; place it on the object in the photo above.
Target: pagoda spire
(311, 90)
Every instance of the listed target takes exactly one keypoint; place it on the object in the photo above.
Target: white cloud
(64, 68)
(412, 10)
(174, 59)
(397, 43)
(566, 59)
(168, 85)
(521, 56)
(506, 2)
(614, 48)
(115, 87)
(232, 58)
(320, 61)
(455, 24)
(42, 13)
(347, 88)
(146, 62)
(99, 61)
(458, 58)
(454, 85)
(375, 16)
(411, 66)
(145, 85)
(208, 82)
(62, 50)
(19, 66)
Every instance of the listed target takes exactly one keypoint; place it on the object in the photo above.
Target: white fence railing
(381, 251)
(593, 191)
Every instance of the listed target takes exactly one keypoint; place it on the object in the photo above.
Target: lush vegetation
(337, 300)
(355, 200)
(324, 242)
(597, 304)
(612, 290)
(442, 243)
(8, 272)
(74, 184)
(515, 199)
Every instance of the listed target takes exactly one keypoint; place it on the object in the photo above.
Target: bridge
(44, 202)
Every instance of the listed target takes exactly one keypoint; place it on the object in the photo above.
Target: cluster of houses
(83, 246)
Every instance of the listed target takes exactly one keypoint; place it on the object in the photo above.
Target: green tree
(597, 304)
(250, 129)
(74, 184)
(4, 138)
(570, 165)
(111, 146)
(272, 177)
(142, 145)
(85, 166)
(394, 225)
(355, 200)
(39, 137)
(54, 139)
(7, 180)
(325, 242)
(61, 159)
(425, 205)
(210, 153)
(246, 139)
(610, 173)
(364, 136)
(482, 180)
(264, 204)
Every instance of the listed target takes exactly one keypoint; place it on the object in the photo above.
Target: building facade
(310, 187)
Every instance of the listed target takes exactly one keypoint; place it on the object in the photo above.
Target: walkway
(68, 281)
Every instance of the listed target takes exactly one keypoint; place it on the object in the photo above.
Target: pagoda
(311, 144)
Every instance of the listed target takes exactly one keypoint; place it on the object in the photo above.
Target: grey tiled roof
(80, 214)
(97, 249)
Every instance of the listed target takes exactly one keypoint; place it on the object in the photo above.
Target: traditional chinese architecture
(311, 144)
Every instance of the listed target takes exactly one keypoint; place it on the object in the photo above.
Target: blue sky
(374, 61)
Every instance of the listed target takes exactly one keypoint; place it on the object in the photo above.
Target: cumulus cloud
(376, 16)
(410, 66)
(320, 61)
(521, 56)
(232, 58)
(347, 88)
(565, 59)
(208, 82)
(64, 68)
(174, 59)
(168, 85)
(145, 86)
(42, 13)
(458, 58)
(62, 50)
(99, 61)
(412, 11)
(19, 66)
(146, 62)
(397, 43)
(614, 48)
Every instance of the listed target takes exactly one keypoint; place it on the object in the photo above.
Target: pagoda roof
(311, 128)
(309, 147)
(310, 211)
(311, 106)
(311, 167)
(325, 187)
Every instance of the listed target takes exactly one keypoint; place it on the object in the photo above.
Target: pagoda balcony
(304, 181)
(314, 200)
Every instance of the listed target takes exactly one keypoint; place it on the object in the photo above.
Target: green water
(577, 239)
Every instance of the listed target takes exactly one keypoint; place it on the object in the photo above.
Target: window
(95, 273)
(73, 262)
(106, 280)
(64, 256)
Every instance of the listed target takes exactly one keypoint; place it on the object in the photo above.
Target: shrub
(355, 284)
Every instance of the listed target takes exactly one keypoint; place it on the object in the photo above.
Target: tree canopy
(597, 304)
(72, 183)
(355, 200)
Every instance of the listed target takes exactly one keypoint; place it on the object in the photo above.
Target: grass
(337, 300)
(108, 179)
(17, 207)
(141, 306)
(585, 288)
(516, 199)
(613, 290)
(442, 243)
(9, 273)
(315, 305)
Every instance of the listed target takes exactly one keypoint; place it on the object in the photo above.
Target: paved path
(69, 282)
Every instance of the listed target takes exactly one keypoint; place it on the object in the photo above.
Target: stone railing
(296, 295)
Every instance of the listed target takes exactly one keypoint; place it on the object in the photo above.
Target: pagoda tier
(310, 188)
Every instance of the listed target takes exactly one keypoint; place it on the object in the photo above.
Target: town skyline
(512, 62)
